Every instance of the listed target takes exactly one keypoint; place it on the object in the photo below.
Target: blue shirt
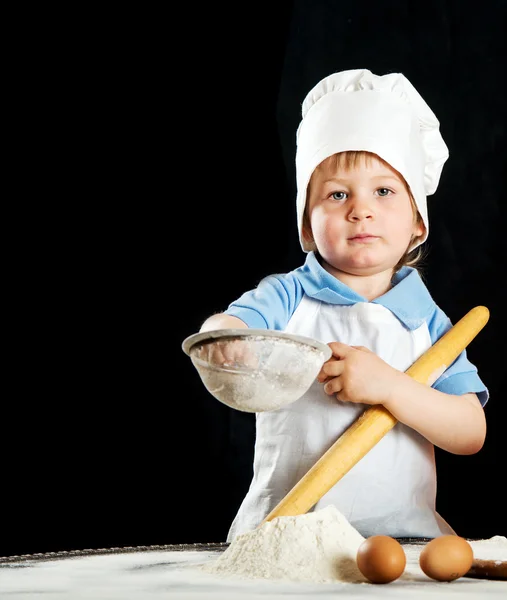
(271, 304)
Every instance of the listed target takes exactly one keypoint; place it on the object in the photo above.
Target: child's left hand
(356, 374)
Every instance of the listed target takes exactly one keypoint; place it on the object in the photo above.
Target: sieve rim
(216, 334)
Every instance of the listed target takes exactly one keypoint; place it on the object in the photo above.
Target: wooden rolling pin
(376, 421)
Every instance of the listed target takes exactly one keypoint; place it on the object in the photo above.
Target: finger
(333, 386)
(321, 377)
(333, 368)
(214, 356)
(339, 350)
(233, 351)
(363, 348)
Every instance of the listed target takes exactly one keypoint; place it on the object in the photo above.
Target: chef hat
(386, 115)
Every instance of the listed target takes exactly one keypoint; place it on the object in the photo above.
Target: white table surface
(174, 572)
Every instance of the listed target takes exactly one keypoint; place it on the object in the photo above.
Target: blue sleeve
(461, 376)
(271, 304)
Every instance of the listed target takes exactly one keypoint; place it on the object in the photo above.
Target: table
(173, 572)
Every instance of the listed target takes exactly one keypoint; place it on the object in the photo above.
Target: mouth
(364, 238)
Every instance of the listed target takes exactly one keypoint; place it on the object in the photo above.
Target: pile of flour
(320, 546)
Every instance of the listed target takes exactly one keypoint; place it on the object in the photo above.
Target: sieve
(255, 370)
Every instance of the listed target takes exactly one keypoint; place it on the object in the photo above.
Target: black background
(114, 441)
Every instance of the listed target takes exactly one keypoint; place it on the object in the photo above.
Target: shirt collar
(408, 299)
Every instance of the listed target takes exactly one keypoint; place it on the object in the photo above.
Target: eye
(383, 192)
(338, 195)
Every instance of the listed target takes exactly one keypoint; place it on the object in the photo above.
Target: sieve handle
(376, 421)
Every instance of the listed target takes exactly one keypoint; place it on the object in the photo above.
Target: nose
(359, 209)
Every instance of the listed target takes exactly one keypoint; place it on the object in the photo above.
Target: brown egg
(381, 559)
(446, 558)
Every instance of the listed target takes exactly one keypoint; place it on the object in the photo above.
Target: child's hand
(233, 353)
(356, 374)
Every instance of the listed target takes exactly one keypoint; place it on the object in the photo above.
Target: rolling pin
(376, 421)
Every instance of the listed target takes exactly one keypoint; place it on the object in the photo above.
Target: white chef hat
(386, 115)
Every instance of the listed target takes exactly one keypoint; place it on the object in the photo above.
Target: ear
(308, 238)
(307, 229)
(419, 229)
(307, 234)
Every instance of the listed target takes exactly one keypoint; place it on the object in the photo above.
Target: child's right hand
(233, 353)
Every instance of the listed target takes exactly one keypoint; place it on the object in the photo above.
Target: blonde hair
(346, 161)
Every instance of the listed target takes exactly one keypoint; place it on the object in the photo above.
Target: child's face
(361, 219)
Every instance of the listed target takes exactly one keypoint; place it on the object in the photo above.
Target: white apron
(392, 489)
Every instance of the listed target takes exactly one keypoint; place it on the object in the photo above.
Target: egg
(446, 558)
(381, 559)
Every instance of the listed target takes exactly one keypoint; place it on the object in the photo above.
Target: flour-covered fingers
(229, 353)
(210, 353)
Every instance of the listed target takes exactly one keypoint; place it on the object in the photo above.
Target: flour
(259, 391)
(318, 547)
(273, 372)
(494, 548)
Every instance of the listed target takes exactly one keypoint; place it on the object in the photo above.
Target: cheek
(322, 227)
(323, 220)
(403, 220)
